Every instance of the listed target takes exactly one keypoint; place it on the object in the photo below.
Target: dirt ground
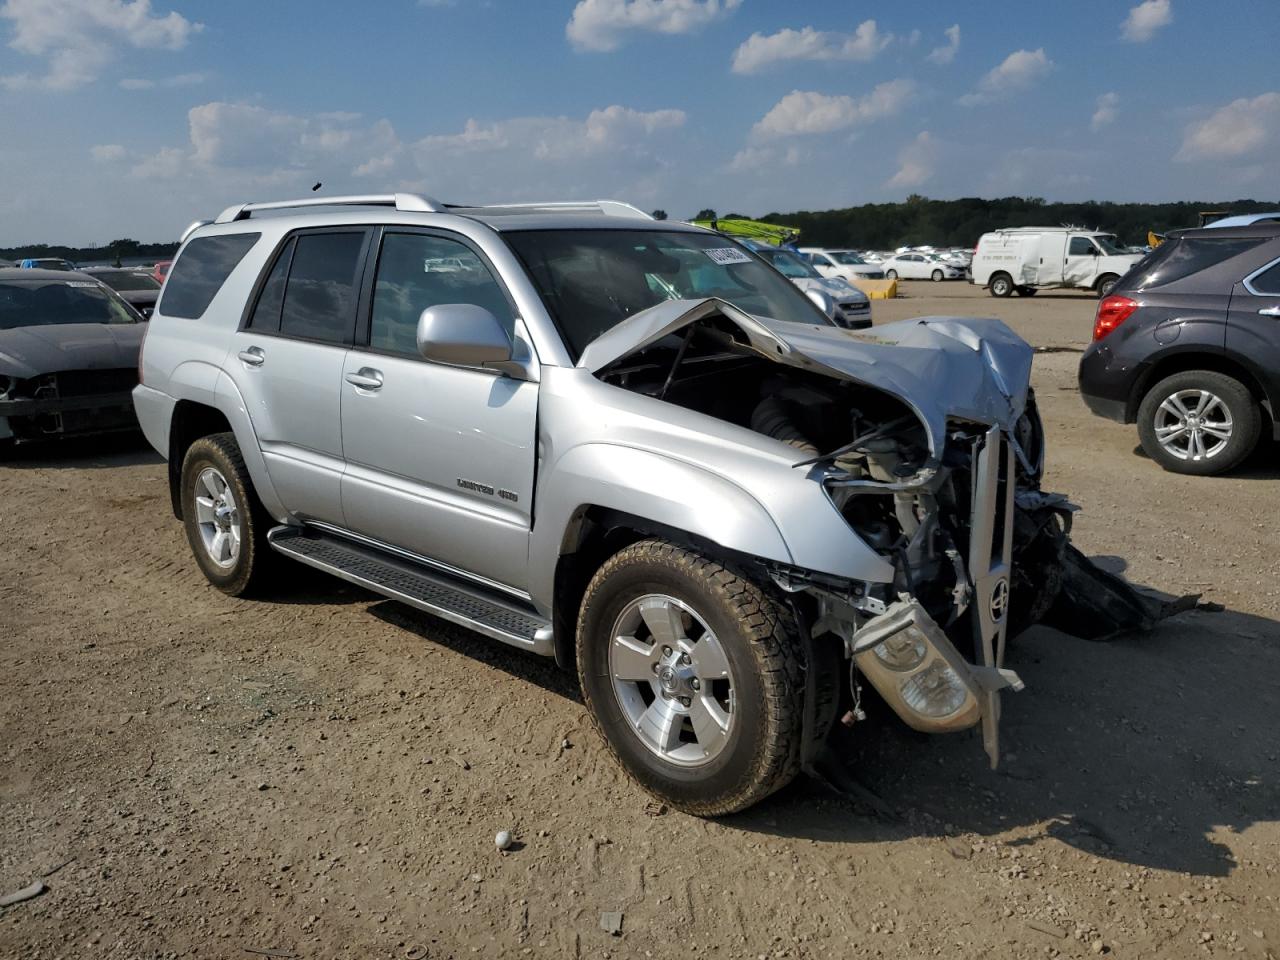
(322, 775)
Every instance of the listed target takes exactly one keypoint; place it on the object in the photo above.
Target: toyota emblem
(999, 599)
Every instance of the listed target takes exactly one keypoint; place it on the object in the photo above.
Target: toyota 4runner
(626, 444)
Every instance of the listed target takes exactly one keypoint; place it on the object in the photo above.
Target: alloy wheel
(1193, 425)
(672, 680)
(217, 517)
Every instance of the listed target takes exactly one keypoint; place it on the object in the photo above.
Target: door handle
(366, 378)
(1270, 312)
(254, 356)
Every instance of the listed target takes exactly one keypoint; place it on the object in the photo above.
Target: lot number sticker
(727, 255)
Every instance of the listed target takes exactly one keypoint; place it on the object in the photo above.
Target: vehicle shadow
(103, 451)
(1262, 464)
(1137, 750)
(540, 671)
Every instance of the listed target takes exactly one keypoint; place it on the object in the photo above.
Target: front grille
(87, 383)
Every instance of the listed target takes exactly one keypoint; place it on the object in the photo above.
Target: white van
(1023, 260)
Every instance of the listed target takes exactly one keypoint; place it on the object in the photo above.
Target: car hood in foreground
(30, 351)
(972, 369)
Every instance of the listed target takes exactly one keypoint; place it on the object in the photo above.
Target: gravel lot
(323, 775)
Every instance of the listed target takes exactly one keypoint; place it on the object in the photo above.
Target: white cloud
(765, 159)
(233, 149)
(1016, 72)
(1242, 128)
(180, 80)
(601, 24)
(947, 52)
(758, 51)
(1106, 111)
(107, 152)
(916, 162)
(80, 37)
(808, 112)
(1145, 19)
(136, 83)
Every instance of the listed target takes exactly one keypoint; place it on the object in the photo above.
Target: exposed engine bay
(953, 503)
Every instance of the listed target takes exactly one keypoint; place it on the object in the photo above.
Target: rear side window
(1175, 259)
(1267, 283)
(266, 314)
(320, 292)
(200, 272)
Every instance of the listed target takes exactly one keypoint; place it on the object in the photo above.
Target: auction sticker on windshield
(727, 255)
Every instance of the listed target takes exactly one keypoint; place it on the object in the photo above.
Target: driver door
(439, 459)
(1080, 267)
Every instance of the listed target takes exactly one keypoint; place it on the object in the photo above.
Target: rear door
(439, 458)
(1050, 255)
(1253, 321)
(287, 361)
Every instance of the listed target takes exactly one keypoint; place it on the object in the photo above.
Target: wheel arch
(1182, 361)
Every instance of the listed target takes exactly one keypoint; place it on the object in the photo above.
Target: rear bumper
(1107, 382)
(155, 415)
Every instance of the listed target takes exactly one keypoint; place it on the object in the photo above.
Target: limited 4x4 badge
(488, 489)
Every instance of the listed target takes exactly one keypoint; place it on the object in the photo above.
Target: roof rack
(612, 208)
(410, 202)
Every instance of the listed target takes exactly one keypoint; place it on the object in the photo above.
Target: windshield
(126, 280)
(592, 280)
(1108, 244)
(847, 256)
(789, 265)
(26, 303)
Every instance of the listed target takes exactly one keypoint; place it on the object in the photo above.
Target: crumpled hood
(30, 351)
(940, 367)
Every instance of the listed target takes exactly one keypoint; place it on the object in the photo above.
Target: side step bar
(411, 583)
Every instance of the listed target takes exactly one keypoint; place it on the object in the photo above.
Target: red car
(161, 270)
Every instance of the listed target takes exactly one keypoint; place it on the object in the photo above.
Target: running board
(411, 583)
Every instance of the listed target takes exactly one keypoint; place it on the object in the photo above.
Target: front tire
(1001, 285)
(1106, 283)
(226, 524)
(692, 675)
(936, 276)
(1199, 422)
(891, 274)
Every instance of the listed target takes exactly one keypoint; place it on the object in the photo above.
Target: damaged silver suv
(631, 445)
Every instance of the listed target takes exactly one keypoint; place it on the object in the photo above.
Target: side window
(200, 272)
(417, 271)
(266, 314)
(320, 292)
(1267, 283)
(1081, 247)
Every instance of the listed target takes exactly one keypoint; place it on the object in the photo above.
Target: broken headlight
(902, 652)
(935, 691)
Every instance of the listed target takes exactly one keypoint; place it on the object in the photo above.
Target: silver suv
(627, 444)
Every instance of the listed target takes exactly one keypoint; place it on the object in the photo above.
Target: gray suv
(630, 445)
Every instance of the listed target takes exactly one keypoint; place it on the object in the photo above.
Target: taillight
(1112, 311)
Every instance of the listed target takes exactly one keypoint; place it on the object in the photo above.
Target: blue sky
(133, 118)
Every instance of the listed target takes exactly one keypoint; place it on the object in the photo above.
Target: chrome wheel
(672, 680)
(1193, 425)
(217, 517)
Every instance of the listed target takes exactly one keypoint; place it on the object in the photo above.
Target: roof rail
(613, 208)
(411, 202)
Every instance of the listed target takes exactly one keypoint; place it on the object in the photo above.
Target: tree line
(114, 250)
(919, 220)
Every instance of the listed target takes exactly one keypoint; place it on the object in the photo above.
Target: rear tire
(226, 524)
(1199, 422)
(714, 726)
(1106, 283)
(891, 274)
(1001, 285)
(936, 276)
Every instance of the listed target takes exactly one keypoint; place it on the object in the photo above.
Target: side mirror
(823, 301)
(462, 334)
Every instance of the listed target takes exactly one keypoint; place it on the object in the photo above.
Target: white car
(846, 264)
(1023, 260)
(921, 266)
